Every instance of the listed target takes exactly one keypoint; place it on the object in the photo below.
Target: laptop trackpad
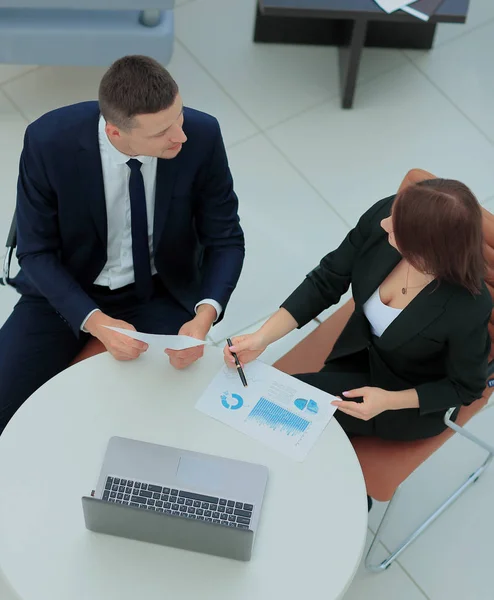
(202, 472)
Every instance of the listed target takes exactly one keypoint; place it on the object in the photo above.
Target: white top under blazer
(379, 315)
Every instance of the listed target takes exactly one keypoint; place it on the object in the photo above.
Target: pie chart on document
(309, 405)
(232, 401)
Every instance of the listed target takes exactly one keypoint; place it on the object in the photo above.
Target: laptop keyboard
(181, 503)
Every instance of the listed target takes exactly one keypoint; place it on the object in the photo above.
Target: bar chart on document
(275, 409)
(278, 419)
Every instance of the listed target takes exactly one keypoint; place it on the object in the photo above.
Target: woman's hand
(375, 401)
(246, 347)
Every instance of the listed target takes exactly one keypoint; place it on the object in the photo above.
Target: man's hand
(197, 328)
(375, 401)
(119, 345)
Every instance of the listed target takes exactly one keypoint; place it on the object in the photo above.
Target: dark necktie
(139, 229)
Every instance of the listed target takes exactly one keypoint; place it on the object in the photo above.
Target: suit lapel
(91, 185)
(166, 171)
(374, 271)
(425, 308)
(422, 310)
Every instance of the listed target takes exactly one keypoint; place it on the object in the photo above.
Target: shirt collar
(117, 157)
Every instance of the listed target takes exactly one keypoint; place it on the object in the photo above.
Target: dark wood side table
(351, 25)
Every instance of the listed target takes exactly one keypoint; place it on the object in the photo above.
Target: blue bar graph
(268, 414)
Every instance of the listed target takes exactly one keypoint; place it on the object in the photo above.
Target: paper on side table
(393, 5)
(276, 409)
(415, 13)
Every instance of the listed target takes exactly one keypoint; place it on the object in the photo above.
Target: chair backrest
(10, 244)
(12, 235)
(488, 230)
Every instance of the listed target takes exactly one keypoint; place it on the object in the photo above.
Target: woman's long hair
(437, 226)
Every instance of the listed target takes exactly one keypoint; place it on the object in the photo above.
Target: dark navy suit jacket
(61, 214)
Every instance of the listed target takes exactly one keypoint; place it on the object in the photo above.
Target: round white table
(313, 523)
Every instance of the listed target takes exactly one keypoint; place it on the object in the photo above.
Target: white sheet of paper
(392, 5)
(276, 409)
(161, 342)
(415, 13)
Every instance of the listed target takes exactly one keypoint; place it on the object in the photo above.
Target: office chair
(94, 346)
(386, 464)
(10, 246)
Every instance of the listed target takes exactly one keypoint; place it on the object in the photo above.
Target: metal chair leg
(411, 538)
(465, 433)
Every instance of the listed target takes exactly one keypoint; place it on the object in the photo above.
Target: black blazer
(439, 344)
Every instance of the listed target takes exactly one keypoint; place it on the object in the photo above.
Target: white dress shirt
(379, 315)
(119, 268)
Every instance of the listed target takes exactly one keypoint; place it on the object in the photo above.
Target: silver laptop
(177, 498)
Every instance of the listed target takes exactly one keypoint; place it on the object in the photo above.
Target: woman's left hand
(375, 401)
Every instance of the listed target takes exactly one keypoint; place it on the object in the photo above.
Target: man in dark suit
(126, 217)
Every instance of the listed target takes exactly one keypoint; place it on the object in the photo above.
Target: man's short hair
(135, 85)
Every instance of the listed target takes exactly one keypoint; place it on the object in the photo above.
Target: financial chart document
(275, 408)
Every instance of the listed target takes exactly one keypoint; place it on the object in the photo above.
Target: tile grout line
(14, 105)
(245, 139)
(19, 76)
(265, 133)
(460, 35)
(262, 319)
(397, 562)
(309, 183)
(419, 587)
(308, 109)
(337, 96)
(220, 86)
(450, 100)
(329, 98)
(315, 320)
(440, 45)
(238, 331)
(259, 130)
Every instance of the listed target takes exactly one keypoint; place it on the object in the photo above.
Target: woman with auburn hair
(417, 343)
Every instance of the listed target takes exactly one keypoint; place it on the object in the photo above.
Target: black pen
(237, 362)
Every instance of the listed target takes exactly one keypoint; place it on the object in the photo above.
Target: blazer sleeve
(325, 284)
(218, 226)
(38, 245)
(466, 365)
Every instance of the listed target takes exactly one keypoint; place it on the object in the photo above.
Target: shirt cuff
(216, 305)
(83, 328)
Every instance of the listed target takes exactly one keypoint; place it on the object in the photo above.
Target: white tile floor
(304, 171)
